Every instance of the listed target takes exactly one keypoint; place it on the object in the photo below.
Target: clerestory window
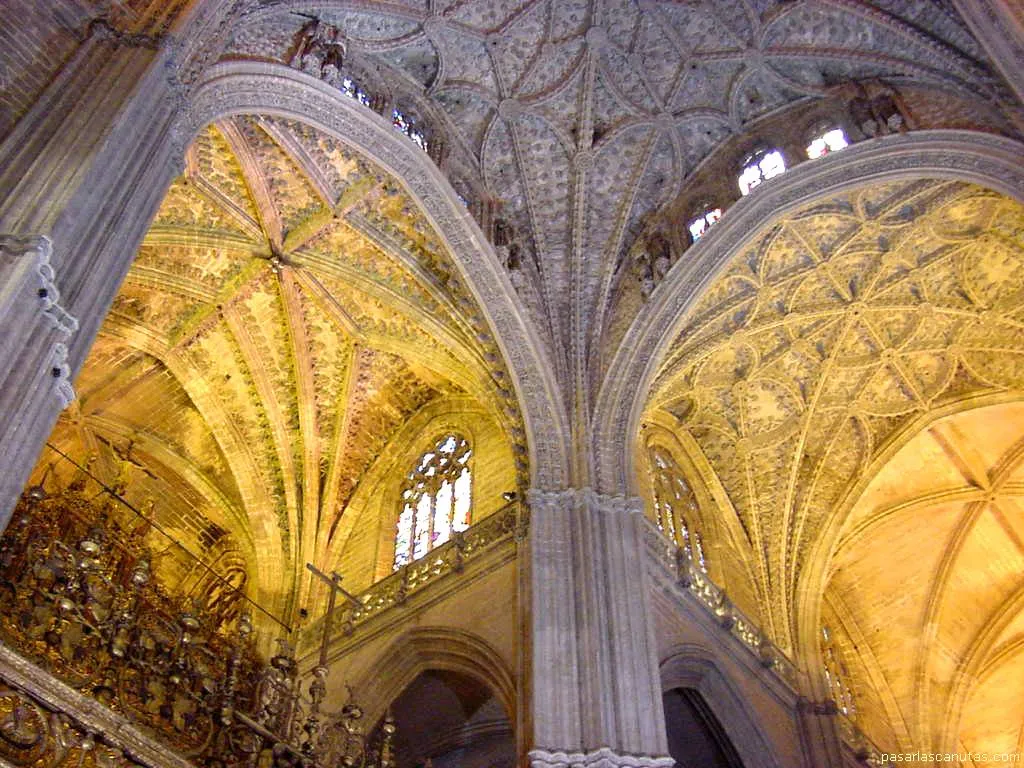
(836, 674)
(760, 167)
(405, 124)
(436, 499)
(675, 506)
(351, 89)
(829, 141)
(701, 224)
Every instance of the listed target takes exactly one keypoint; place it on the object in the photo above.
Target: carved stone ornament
(599, 758)
(60, 369)
(25, 266)
(587, 497)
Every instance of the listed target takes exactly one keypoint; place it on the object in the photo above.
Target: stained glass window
(351, 89)
(436, 499)
(703, 223)
(761, 167)
(675, 506)
(830, 141)
(836, 674)
(405, 124)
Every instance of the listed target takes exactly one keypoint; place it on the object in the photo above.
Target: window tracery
(760, 167)
(436, 499)
(836, 674)
(828, 141)
(675, 506)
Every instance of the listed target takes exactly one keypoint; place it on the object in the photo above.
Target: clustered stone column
(82, 174)
(596, 691)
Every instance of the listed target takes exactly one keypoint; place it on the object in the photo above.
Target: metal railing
(687, 575)
(506, 525)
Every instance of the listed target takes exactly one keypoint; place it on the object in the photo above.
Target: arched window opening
(352, 89)
(830, 141)
(436, 499)
(703, 223)
(407, 125)
(836, 674)
(760, 167)
(675, 506)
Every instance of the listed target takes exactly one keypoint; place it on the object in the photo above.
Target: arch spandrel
(810, 349)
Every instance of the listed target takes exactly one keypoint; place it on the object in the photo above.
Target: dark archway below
(695, 737)
(455, 721)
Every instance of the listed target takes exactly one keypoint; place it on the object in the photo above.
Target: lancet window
(675, 506)
(836, 674)
(406, 125)
(352, 89)
(436, 499)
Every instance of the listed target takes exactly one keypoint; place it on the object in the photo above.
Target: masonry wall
(767, 706)
(36, 39)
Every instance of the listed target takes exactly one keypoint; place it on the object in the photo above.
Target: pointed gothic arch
(434, 648)
(248, 87)
(694, 668)
(984, 159)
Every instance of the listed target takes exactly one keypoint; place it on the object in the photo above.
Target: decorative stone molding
(62, 320)
(1001, 33)
(40, 249)
(599, 758)
(61, 371)
(586, 497)
(41, 278)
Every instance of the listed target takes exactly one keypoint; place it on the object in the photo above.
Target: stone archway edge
(246, 87)
(988, 160)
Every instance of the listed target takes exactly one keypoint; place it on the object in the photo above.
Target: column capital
(599, 758)
(585, 497)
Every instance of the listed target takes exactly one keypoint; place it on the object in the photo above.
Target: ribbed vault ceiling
(936, 660)
(581, 117)
(835, 329)
(288, 312)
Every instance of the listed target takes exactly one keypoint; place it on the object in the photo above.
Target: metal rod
(333, 581)
(170, 538)
(335, 585)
